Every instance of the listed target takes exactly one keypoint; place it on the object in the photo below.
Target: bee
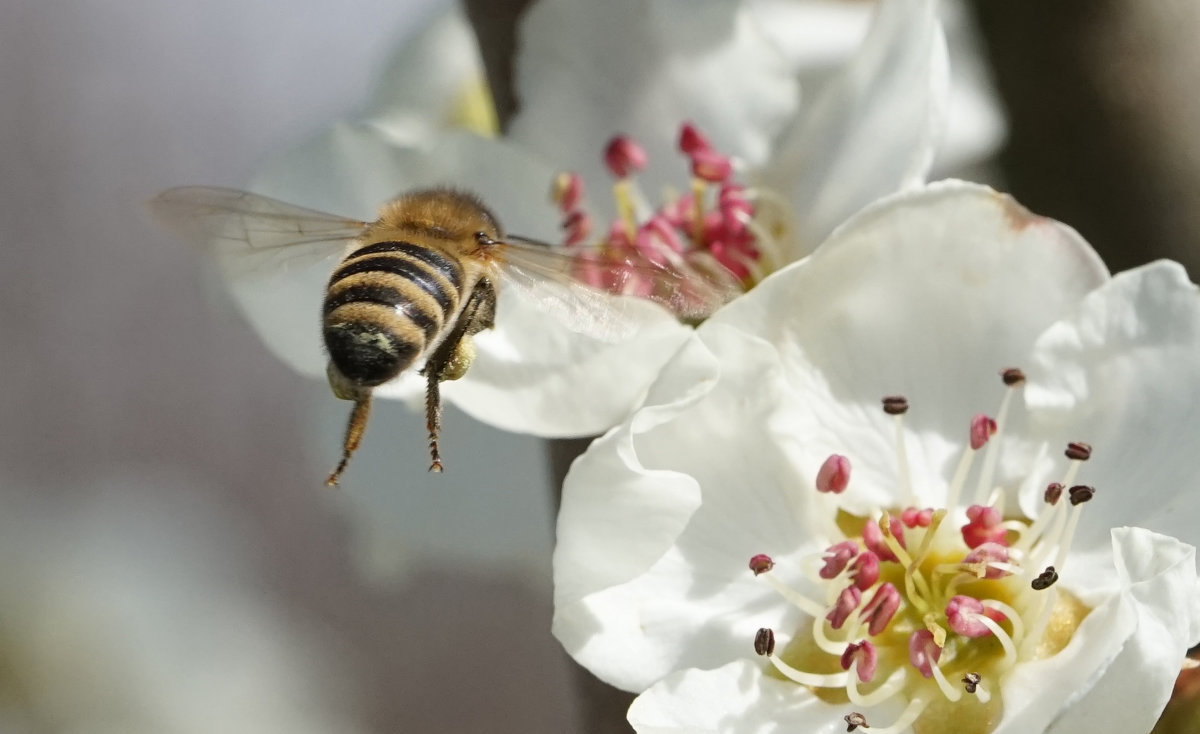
(414, 286)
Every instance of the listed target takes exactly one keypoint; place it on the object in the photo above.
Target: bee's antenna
(354, 433)
(433, 417)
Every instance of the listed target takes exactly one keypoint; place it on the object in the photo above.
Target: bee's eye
(482, 238)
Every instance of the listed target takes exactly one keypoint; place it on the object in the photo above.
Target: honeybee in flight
(416, 284)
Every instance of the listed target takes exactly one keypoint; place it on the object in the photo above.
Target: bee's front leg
(453, 358)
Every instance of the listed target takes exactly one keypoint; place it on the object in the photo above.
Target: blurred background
(171, 561)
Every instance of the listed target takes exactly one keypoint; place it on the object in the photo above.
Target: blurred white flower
(584, 73)
(761, 499)
(128, 613)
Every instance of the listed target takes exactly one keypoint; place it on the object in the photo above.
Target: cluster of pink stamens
(919, 597)
(709, 230)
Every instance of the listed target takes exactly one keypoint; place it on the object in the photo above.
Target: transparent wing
(275, 259)
(594, 291)
(250, 233)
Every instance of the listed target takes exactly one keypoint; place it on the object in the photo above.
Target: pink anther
(985, 525)
(846, 603)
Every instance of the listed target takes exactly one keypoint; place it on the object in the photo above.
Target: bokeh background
(171, 562)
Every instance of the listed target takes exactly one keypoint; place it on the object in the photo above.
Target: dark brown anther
(854, 720)
(1081, 493)
(764, 642)
(1045, 579)
(761, 563)
(1054, 492)
(971, 681)
(1012, 376)
(1079, 451)
(895, 405)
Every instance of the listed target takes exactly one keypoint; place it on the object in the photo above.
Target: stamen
(817, 680)
(800, 601)
(691, 140)
(1010, 650)
(834, 475)
(914, 709)
(897, 406)
(863, 657)
(890, 687)
(865, 570)
(827, 644)
(846, 603)
(624, 157)
(1045, 579)
(567, 191)
(971, 682)
(837, 557)
(881, 608)
(854, 720)
(985, 526)
(761, 563)
(764, 641)
(1080, 494)
(948, 690)
(1014, 618)
(1013, 378)
(922, 653)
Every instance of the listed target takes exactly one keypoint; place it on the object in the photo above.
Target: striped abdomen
(385, 303)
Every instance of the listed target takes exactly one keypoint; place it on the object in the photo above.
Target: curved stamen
(889, 688)
(914, 709)
(816, 680)
(800, 601)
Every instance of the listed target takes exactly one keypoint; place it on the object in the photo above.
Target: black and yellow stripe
(385, 303)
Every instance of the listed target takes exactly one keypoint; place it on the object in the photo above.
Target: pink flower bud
(711, 166)
(846, 603)
(567, 191)
(963, 613)
(982, 428)
(761, 563)
(834, 475)
(865, 570)
(873, 538)
(836, 557)
(624, 157)
(984, 526)
(691, 140)
(882, 607)
(923, 652)
(864, 654)
(914, 518)
(989, 553)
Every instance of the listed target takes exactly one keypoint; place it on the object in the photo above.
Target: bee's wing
(592, 293)
(249, 232)
(275, 259)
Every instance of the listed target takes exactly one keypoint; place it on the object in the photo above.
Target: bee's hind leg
(453, 358)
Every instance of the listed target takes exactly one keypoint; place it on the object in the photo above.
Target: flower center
(717, 232)
(926, 611)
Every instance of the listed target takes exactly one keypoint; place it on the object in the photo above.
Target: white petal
(433, 82)
(1120, 374)
(873, 130)
(1117, 672)
(534, 375)
(736, 697)
(651, 582)
(927, 294)
(589, 71)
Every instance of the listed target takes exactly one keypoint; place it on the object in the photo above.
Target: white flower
(926, 295)
(131, 613)
(585, 72)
